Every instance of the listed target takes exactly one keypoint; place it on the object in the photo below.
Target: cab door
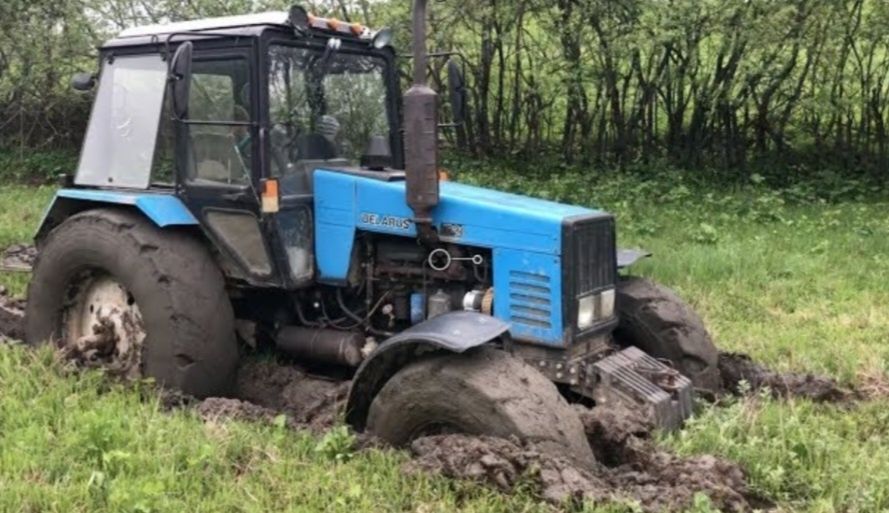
(218, 159)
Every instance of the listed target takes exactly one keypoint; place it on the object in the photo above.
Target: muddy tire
(187, 324)
(656, 320)
(482, 392)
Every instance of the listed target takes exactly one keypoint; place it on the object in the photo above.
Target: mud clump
(218, 408)
(18, 258)
(737, 368)
(12, 317)
(504, 464)
(266, 389)
(634, 469)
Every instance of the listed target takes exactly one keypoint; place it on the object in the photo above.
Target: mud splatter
(630, 469)
(18, 258)
(12, 317)
(737, 368)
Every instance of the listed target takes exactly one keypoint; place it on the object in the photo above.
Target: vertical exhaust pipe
(421, 134)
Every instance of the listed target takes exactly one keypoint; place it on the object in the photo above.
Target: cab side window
(220, 137)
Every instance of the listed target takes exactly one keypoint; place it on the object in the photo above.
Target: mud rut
(629, 465)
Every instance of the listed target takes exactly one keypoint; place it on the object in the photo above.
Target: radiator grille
(589, 265)
(593, 255)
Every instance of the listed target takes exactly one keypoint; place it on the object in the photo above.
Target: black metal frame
(315, 41)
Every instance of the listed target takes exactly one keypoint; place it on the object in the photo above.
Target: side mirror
(457, 92)
(180, 76)
(83, 81)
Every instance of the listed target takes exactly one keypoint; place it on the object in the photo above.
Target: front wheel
(122, 294)
(657, 321)
(484, 391)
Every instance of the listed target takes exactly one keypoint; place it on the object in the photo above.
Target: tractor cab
(256, 104)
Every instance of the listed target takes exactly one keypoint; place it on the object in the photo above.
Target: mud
(267, 388)
(18, 258)
(217, 409)
(12, 317)
(630, 468)
(739, 368)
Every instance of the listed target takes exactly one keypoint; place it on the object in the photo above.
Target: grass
(796, 276)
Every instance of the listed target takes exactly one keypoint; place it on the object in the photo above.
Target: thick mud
(18, 258)
(739, 368)
(630, 468)
(12, 317)
(266, 389)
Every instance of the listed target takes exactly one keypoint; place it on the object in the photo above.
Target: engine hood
(466, 214)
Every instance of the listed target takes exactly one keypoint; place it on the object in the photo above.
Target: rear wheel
(657, 321)
(482, 392)
(115, 291)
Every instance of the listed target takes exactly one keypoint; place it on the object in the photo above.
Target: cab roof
(247, 25)
(273, 18)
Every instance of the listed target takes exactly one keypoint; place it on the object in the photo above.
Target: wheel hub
(103, 326)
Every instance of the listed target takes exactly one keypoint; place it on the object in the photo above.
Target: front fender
(628, 257)
(456, 332)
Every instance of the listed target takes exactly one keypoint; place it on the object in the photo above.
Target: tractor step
(641, 382)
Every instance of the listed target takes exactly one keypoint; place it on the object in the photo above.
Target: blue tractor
(261, 179)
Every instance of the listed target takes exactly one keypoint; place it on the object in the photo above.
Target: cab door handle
(238, 197)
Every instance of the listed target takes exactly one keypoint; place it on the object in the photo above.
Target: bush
(35, 167)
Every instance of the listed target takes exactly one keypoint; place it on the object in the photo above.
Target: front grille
(594, 256)
(589, 261)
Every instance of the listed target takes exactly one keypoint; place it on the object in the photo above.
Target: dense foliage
(697, 83)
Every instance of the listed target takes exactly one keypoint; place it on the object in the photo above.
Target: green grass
(21, 209)
(75, 443)
(797, 277)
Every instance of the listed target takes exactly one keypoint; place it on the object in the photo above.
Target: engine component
(402, 303)
(441, 259)
(418, 307)
(439, 304)
(472, 301)
(322, 345)
(488, 302)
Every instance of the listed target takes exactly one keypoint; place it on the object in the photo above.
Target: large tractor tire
(484, 391)
(657, 321)
(114, 291)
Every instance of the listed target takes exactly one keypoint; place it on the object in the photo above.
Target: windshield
(326, 106)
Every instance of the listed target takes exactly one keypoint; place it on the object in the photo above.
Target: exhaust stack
(421, 134)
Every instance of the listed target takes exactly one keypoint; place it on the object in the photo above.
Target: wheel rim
(103, 326)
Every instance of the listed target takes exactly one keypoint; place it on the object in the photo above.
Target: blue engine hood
(466, 214)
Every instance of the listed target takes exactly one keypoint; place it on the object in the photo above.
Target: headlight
(594, 309)
(607, 304)
(586, 312)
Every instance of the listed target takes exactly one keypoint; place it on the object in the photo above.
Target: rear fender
(455, 332)
(163, 209)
